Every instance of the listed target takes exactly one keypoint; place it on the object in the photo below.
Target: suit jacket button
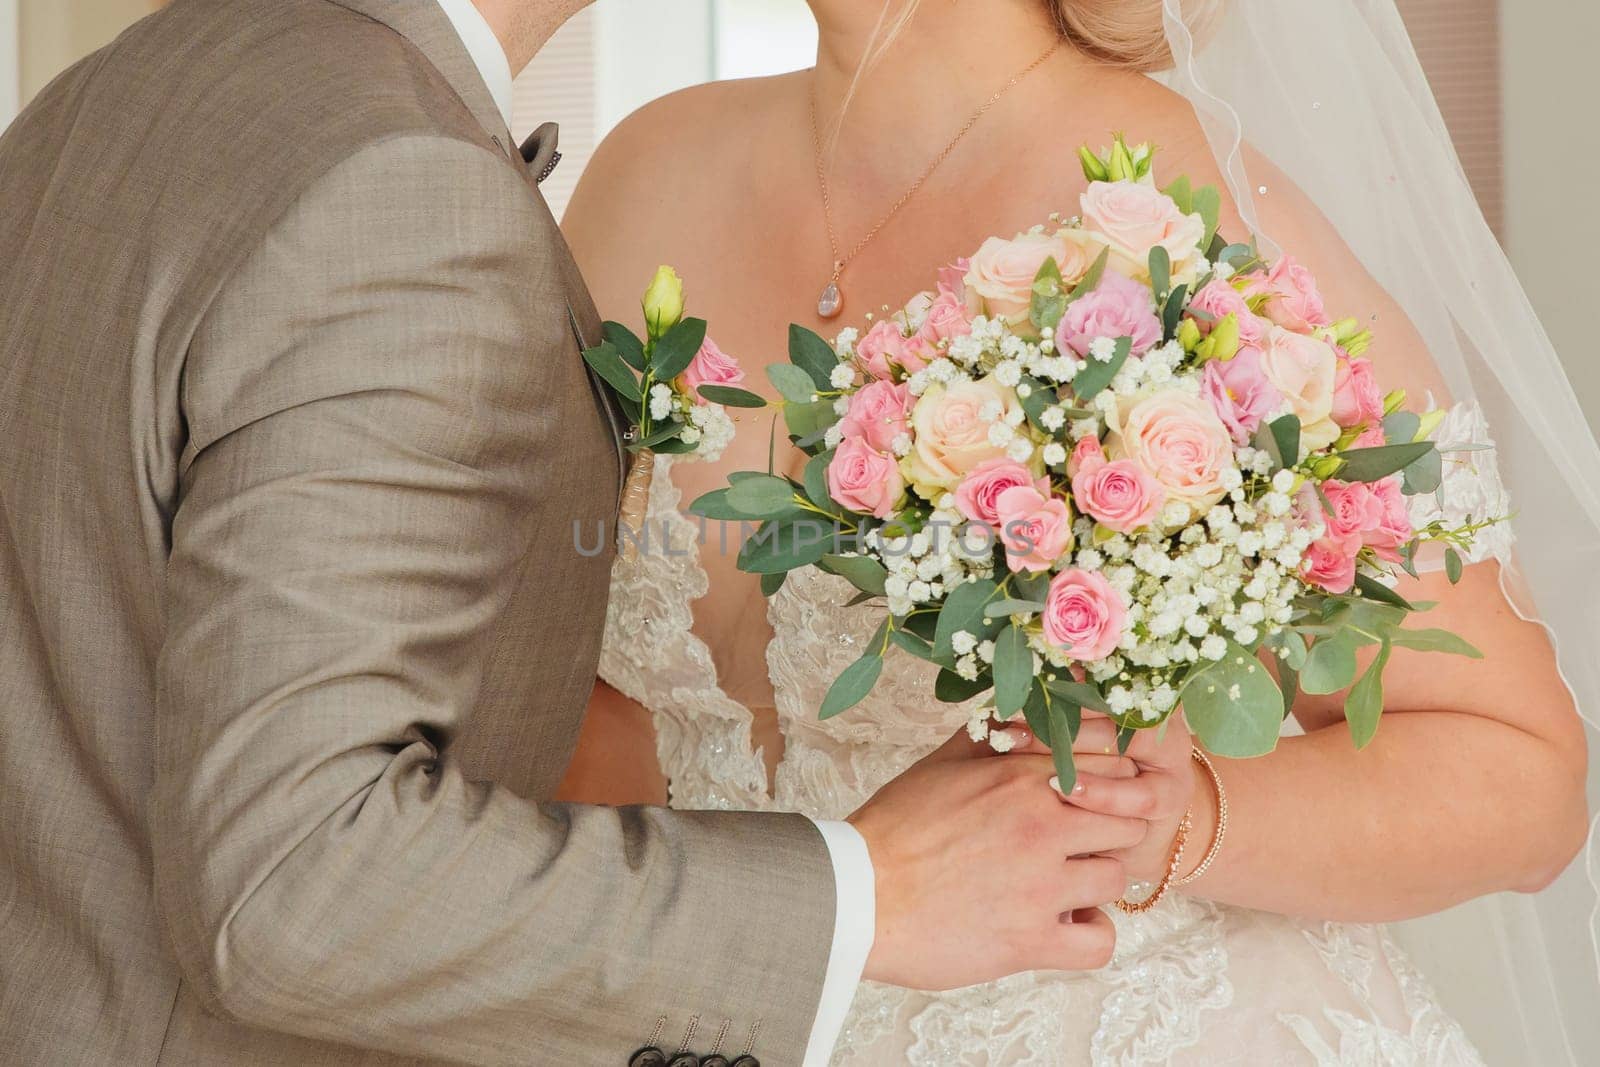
(685, 1059)
(715, 1061)
(746, 1061)
(648, 1057)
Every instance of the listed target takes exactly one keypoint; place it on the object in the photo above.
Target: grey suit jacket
(294, 636)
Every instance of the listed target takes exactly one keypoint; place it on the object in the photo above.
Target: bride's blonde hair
(1130, 34)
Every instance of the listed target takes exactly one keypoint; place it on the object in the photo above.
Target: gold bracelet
(1182, 838)
(1222, 822)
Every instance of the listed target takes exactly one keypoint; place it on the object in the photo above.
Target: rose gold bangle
(1222, 822)
(1182, 838)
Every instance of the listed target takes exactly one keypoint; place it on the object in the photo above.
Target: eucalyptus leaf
(714, 505)
(808, 422)
(1013, 671)
(863, 572)
(764, 497)
(1091, 280)
(1173, 312)
(1373, 589)
(813, 355)
(1280, 439)
(1040, 396)
(1182, 194)
(1079, 693)
(1234, 706)
(1400, 427)
(1434, 641)
(626, 343)
(1096, 376)
(964, 610)
(1036, 711)
(728, 396)
(792, 383)
(1293, 647)
(607, 362)
(852, 687)
(1015, 607)
(1160, 272)
(951, 688)
(667, 431)
(771, 583)
(816, 482)
(1064, 723)
(1048, 302)
(785, 546)
(1375, 464)
(911, 643)
(1425, 475)
(674, 352)
(1363, 706)
(1453, 568)
(1208, 204)
(1330, 665)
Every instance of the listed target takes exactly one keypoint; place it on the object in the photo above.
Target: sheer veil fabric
(1331, 92)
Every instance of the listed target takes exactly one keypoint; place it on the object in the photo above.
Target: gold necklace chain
(832, 301)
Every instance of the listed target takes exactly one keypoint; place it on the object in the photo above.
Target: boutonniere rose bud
(663, 301)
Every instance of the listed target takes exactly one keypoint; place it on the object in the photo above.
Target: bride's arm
(615, 763)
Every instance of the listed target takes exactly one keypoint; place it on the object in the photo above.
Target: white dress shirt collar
(484, 48)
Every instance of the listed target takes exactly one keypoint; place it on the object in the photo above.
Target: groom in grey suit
(294, 638)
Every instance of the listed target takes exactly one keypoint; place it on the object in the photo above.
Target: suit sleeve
(369, 428)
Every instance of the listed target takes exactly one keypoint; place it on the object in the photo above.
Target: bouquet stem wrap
(635, 504)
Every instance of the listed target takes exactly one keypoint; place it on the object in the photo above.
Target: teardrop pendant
(831, 302)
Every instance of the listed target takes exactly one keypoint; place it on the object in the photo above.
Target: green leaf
(626, 343)
(1092, 279)
(816, 482)
(1280, 439)
(1078, 693)
(964, 610)
(1375, 464)
(1289, 683)
(1013, 671)
(764, 497)
(728, 396)
(1425, 475)
(1330, 665)
(1063, 730)
(1096, 376)
(813, 355)
(1040, 396)
(1292, 645)
(792, 383)
(667, 431)
(1434, 641)
(863, 572)
(771, 583)
(674, 352)
(607, 362)
(1181, 194)
(1400, 427)
(1234, 706)
(1173, 312)
(1363, 707)
(1160, 272)
(1373, 589)
(1013, 606)
(1208, 203)
(1452, 565)
(714, 505)
(911, 643)
(951, 688)
(808, 422)
(785, 546)
(852, 687)
(1048, 303)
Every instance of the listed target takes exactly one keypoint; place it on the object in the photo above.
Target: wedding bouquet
(1103, 465)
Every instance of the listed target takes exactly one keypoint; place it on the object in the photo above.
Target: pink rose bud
(1357, 400)
(1085, 454)
(1084, 615)
(1118, 307)
(1331, 564)
(977, 497)
(710, 366)
(865, 480)
(1034, 527)
(878, 414)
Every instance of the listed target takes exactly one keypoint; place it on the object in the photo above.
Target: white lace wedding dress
(1191, 983)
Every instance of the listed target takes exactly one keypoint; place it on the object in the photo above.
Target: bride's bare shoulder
(669, 156)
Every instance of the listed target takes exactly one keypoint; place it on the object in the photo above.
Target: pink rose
(878, 414)
(1352, 509)
(1293, 300)
(710, 366)
(1357, 400)
(953, 279)
(978, 494)
(865, 480)
(1238, 391)
(1178, 440)
(1119, 495)
(1219, 300)
(1133, 219)
(1035, 528)
(884, 348)
(1302, 368)
(947, 319)
(1393, 529)
(1371, 437)
(1084, 614)
(1118, 307)
(1331, 564)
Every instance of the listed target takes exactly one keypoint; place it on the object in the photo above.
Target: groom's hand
(982, 872)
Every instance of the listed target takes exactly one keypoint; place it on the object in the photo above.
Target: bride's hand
(1159, 791)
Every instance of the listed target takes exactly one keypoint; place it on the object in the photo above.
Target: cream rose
(1180, 442)
(1002, 273)
(1133, 219)
(950, 431)
(1304, 370)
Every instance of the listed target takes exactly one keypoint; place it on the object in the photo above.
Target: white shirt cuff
(854, 928)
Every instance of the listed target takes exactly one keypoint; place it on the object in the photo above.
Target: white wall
(10, 62)
(1552, 163)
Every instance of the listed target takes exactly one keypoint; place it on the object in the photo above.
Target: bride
(924, 128)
